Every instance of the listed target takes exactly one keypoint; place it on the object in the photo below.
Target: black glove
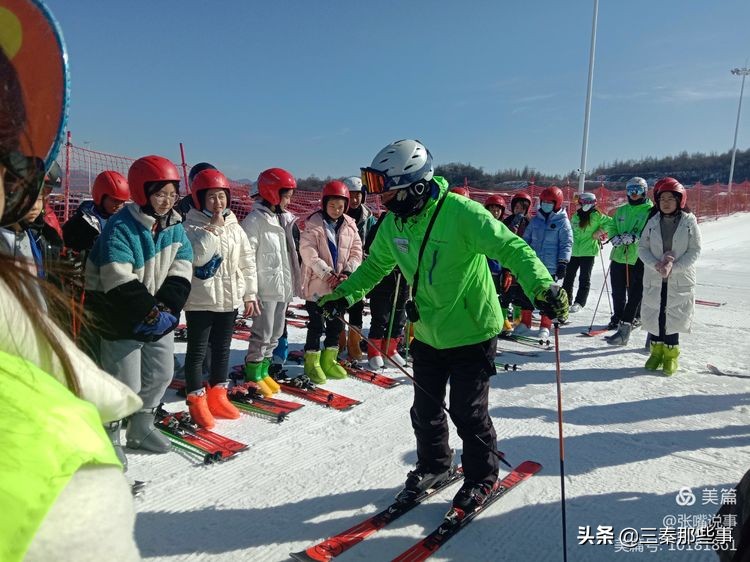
(333, 307)
(553, 303)
(562, 267)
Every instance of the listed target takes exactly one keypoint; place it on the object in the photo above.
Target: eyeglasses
(162, 197)
(23, 180)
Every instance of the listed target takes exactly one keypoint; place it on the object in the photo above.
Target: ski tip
(529, 467)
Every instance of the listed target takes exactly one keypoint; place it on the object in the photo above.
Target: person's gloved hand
(616, 240)
(664, 267)
(156, 325)
(332, 305)
(553, 303)
(562, 267)
(628, 238)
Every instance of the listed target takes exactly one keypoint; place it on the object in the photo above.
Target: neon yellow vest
(46, 435)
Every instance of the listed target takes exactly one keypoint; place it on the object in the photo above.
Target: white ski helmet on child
(354, 185)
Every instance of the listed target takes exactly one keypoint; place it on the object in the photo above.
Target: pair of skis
(451, 525)
(354, 371)
(190, 437)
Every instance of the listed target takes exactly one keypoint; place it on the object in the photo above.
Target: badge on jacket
(402, 244)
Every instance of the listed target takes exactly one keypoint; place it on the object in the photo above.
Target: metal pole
(584, 150)
(184, 169)
(737, 72)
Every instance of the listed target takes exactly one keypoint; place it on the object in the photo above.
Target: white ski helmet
(401, 163)
(636, 185)
(354, 183)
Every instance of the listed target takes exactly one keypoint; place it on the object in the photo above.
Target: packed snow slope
(633, 440)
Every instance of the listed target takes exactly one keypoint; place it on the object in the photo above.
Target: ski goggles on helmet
(378, 182)
(635, 189)
(586, 199)
(23, 180)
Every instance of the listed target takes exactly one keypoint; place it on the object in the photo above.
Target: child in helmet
(626, 269)
(271, 283)
(589, 230)
(550, 236)
(669, 247)
(512, 293)
(331, 250)
(109, 194)
(137, 281)
(495, 204)
(222, 264)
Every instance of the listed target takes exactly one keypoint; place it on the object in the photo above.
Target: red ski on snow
(205, 439)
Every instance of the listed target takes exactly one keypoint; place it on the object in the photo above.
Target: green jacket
(456, 297)
(584, 243)
(46, 435)
(628, 219)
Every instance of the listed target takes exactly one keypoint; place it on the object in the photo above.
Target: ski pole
(601, 258)
(393, 314)
(560, 439)
(498, 454)
(599, 300)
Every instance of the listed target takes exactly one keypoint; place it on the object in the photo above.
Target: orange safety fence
(81, 165)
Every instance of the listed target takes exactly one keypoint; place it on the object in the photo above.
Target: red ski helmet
(335, 188)
(673, 186)
(461, 191)
(209, 179)
(112, 184)
(150, 169)
(521, 196)
(273, 180)
(553, 194)
(497, 200)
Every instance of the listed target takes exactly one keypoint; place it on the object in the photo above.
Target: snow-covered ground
(633, 439)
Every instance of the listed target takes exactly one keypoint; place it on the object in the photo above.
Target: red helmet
(673, 186)
(497, 200)
(272, 181)
(553, 194)
(461, 191)
(110, 183)
(149, 169)
(520, 196)
(335, 188)
(208, 179)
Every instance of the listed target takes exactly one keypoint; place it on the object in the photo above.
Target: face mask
(546, 206)
(586, 208)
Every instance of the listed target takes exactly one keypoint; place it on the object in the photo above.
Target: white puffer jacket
(231, 285)
(272, 279)
(686, 247)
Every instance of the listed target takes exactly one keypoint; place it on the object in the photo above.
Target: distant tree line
(688, 168)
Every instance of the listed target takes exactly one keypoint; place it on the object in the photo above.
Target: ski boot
(671, 353)
(654, 362)
(393, 353)
(267, 378)
(312, 367)
(199, 410)
(142, 434)
(219, 405)
(524, 326)
(352, 345)
(281, 353)
(374, 355)
(329, 364)
(420, 480)
(113, 431)
(254, 373)
(471, 496)
(621, 336)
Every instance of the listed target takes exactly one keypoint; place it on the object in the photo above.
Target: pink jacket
(317, 263)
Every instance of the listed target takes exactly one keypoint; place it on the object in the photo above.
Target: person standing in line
(137, 282)
(219, 288)
(589, 227)
(440, 242)
(669, 248)
(550, 236)
(271, 280)
(365, 221)
(626, 269)
(513, 295)
(331, 250)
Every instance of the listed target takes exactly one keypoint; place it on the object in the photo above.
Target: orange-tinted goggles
(375, 181)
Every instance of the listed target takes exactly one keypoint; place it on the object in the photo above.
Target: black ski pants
(317, 326)
(204, 327)
(627, 290)
(355, 313)
(469, 369)
(586, 265)
(381, 305)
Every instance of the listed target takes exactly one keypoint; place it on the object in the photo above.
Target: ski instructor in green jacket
(441, 243)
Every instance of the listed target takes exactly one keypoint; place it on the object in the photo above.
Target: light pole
(737, 72)
(88, 159)
(584, 149)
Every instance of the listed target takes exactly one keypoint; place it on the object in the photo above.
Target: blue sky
(318, 87)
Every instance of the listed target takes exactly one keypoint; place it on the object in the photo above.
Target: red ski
(455, 519)
(366, 375)
(709, 303)
(210, 441)
(592, 333)
(296, 323)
